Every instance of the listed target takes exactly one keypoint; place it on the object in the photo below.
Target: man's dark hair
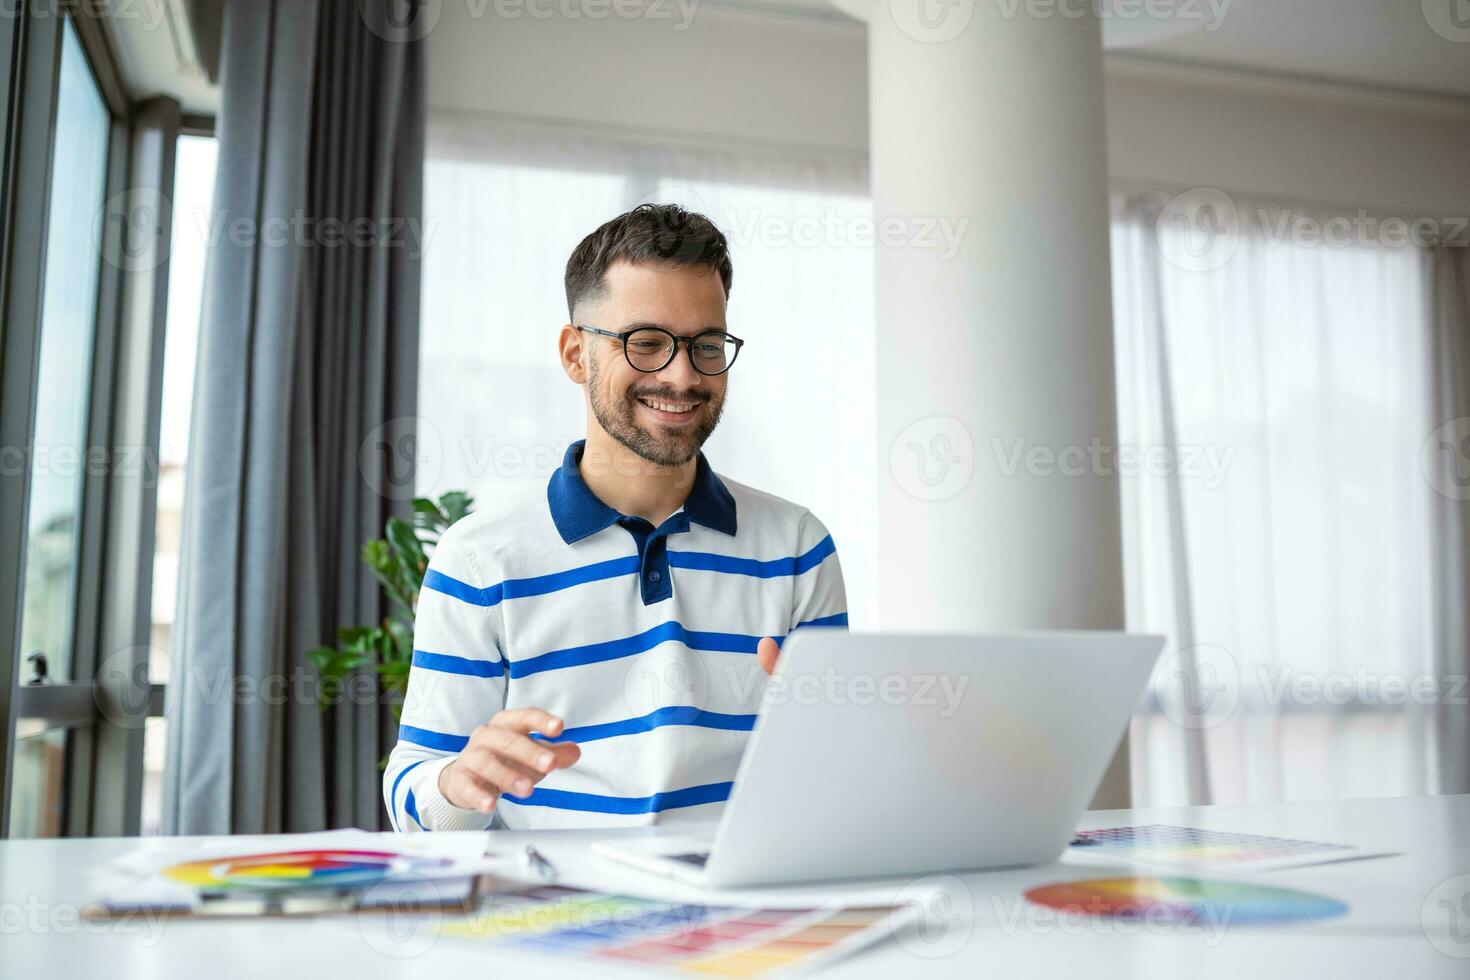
(656, 233)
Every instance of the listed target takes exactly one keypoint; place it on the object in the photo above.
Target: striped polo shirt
(641, 639)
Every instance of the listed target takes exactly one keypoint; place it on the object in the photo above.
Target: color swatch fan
(300, 869)
(1185, 901)
(294, 874)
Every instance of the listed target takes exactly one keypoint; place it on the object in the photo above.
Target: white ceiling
(155, 50)
(1374, 43)
(1387, 43)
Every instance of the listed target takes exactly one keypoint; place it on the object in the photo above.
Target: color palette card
(1192, 902)
(1193, 848)
(305, 872)
(599, 928)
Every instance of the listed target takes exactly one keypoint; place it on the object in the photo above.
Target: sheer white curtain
(1283, 535)
(505, 204)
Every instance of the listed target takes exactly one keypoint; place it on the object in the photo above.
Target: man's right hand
(501, 757)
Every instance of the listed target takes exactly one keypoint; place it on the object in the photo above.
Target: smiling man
(591, 654)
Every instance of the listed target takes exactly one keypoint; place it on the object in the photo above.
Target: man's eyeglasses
(651, 349)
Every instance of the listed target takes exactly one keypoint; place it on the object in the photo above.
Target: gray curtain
(302, 433)
(1447, 461)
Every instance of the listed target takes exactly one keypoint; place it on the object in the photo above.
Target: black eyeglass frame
(688, 342)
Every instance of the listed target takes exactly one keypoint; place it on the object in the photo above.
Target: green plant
(398, 560)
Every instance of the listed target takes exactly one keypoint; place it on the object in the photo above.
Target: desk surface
(1409, 916)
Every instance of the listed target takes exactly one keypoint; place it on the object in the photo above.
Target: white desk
(44, 883)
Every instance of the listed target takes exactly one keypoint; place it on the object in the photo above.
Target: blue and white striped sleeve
(456, 683)
(819, 596)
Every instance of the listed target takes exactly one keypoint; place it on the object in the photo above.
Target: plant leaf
(427, 516)
(456, 504)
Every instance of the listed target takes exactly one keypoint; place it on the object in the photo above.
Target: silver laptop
(886, 754)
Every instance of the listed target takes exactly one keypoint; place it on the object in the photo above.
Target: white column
(995, 363)
(998, 131)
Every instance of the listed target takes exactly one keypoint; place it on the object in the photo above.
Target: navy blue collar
(577, 512)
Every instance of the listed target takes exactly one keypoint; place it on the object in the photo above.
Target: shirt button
(655, 576)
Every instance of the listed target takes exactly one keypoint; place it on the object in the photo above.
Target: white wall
(727, 75)
(747, 77)
(1294, 144)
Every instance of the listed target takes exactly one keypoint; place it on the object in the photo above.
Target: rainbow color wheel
(299, 869)
(1185, 901)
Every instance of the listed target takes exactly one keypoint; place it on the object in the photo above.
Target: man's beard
(617, 418)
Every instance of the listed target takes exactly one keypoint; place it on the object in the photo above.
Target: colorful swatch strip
(1167, 843)
(696, 939)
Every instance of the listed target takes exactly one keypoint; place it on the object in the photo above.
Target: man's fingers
(766, 651)
(527, 720)
(510, 777)
(511, 745)
(567, 753)
(462, 787)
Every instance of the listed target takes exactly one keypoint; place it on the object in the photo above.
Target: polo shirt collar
(578, 513)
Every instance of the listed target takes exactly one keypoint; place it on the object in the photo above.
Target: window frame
(102, 783)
